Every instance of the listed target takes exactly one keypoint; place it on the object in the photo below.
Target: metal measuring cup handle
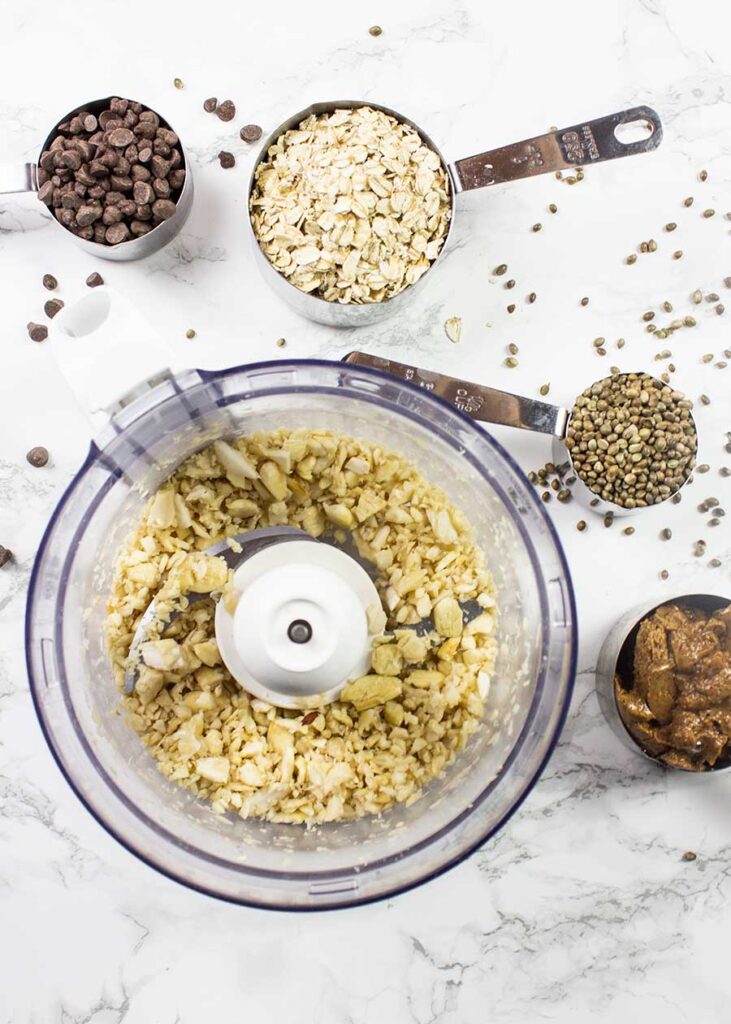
(589, 142)
(481, 403)
(16, 180)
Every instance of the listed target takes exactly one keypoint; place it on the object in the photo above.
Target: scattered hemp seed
(499, 271)
(666, 534)
(697, 297)
(178, 83)
(644, 247)
(558, 175)
(727, 281)
(544, 389)
(721, 364)
(699, 548)
(652, 245)
(601, 351)
(667, 306)
(720, 308)
(281, 342)
(598, 342)
(585, 301)
(532, 298)
(714, 522)
(664, 574)
(677, 498)
(628, 530)
(704, 400)
(190, 333)
(546, 496)
(537, 227)
(49, 282)
(614, 370)
(715, 563)
(375, 30)
(703, 176)
(581, 526)
(553, 208)
(651, 328)
(707, 358)
(689, 321)
(671, 226)
(510, 363)
(689, 856)
(703, 468)
(688, 201)
(513, 349)
(678, 254)
(510, 283)
(608, 519)
(564, 495)
(632, 258)
(649, 315)
(620, 342)
(725, 471)
(6, 555)
(708, 213)
(671, 367)
(712, 297)
(511, 307)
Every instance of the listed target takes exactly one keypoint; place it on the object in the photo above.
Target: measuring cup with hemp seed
(629, 440)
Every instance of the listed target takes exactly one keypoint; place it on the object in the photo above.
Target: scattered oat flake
(453, 328)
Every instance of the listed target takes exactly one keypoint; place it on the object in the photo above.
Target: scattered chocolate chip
(210, 105)
(226, 111)
(226, 159)
(37, 457)
(250, 133)
(52, 307)
(49, 282)
(6, 556)
(37, 332)
(94, 280)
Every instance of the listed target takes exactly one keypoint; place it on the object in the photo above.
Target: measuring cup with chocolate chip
(351, 204)
(115, 176)
(629, 441)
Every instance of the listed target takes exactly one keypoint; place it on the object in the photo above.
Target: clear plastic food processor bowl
(251, 861)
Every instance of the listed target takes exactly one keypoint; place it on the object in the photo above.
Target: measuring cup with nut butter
(351, 204)
(629, 440)
(114, 176)
(662, 681)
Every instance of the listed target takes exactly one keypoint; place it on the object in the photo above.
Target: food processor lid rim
(95, 453)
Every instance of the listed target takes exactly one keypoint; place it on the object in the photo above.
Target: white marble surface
(581, 907)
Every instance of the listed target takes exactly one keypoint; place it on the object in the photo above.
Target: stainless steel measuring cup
(17, 180)
(615, 667)
(587, 143)
(502, 408)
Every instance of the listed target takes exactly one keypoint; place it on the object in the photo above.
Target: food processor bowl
(252, 861)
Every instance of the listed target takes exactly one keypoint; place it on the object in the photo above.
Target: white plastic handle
(105, 349)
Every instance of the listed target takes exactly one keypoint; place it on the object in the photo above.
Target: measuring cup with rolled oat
(629, 440)
(351, 203)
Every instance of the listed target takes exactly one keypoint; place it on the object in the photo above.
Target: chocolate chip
(117, 233)
(49, 282)
(160, 167)
(6, 555)
(52, 307)
(161, 187)
(142, 192)
(145, 154)
(137, 227)
(37, 332)
(226, 111)
(119, 138)
(87, 215)
(177, 178)
(89, 123)
(210, 105)
(250, 133)
(94, 280)
(226, 160)
(37, 457)
(46, 192)
(163, 208)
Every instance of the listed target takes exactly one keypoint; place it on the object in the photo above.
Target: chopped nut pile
(392, 730)
(351, 206)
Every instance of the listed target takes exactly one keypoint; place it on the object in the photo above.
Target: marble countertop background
(581, 908)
